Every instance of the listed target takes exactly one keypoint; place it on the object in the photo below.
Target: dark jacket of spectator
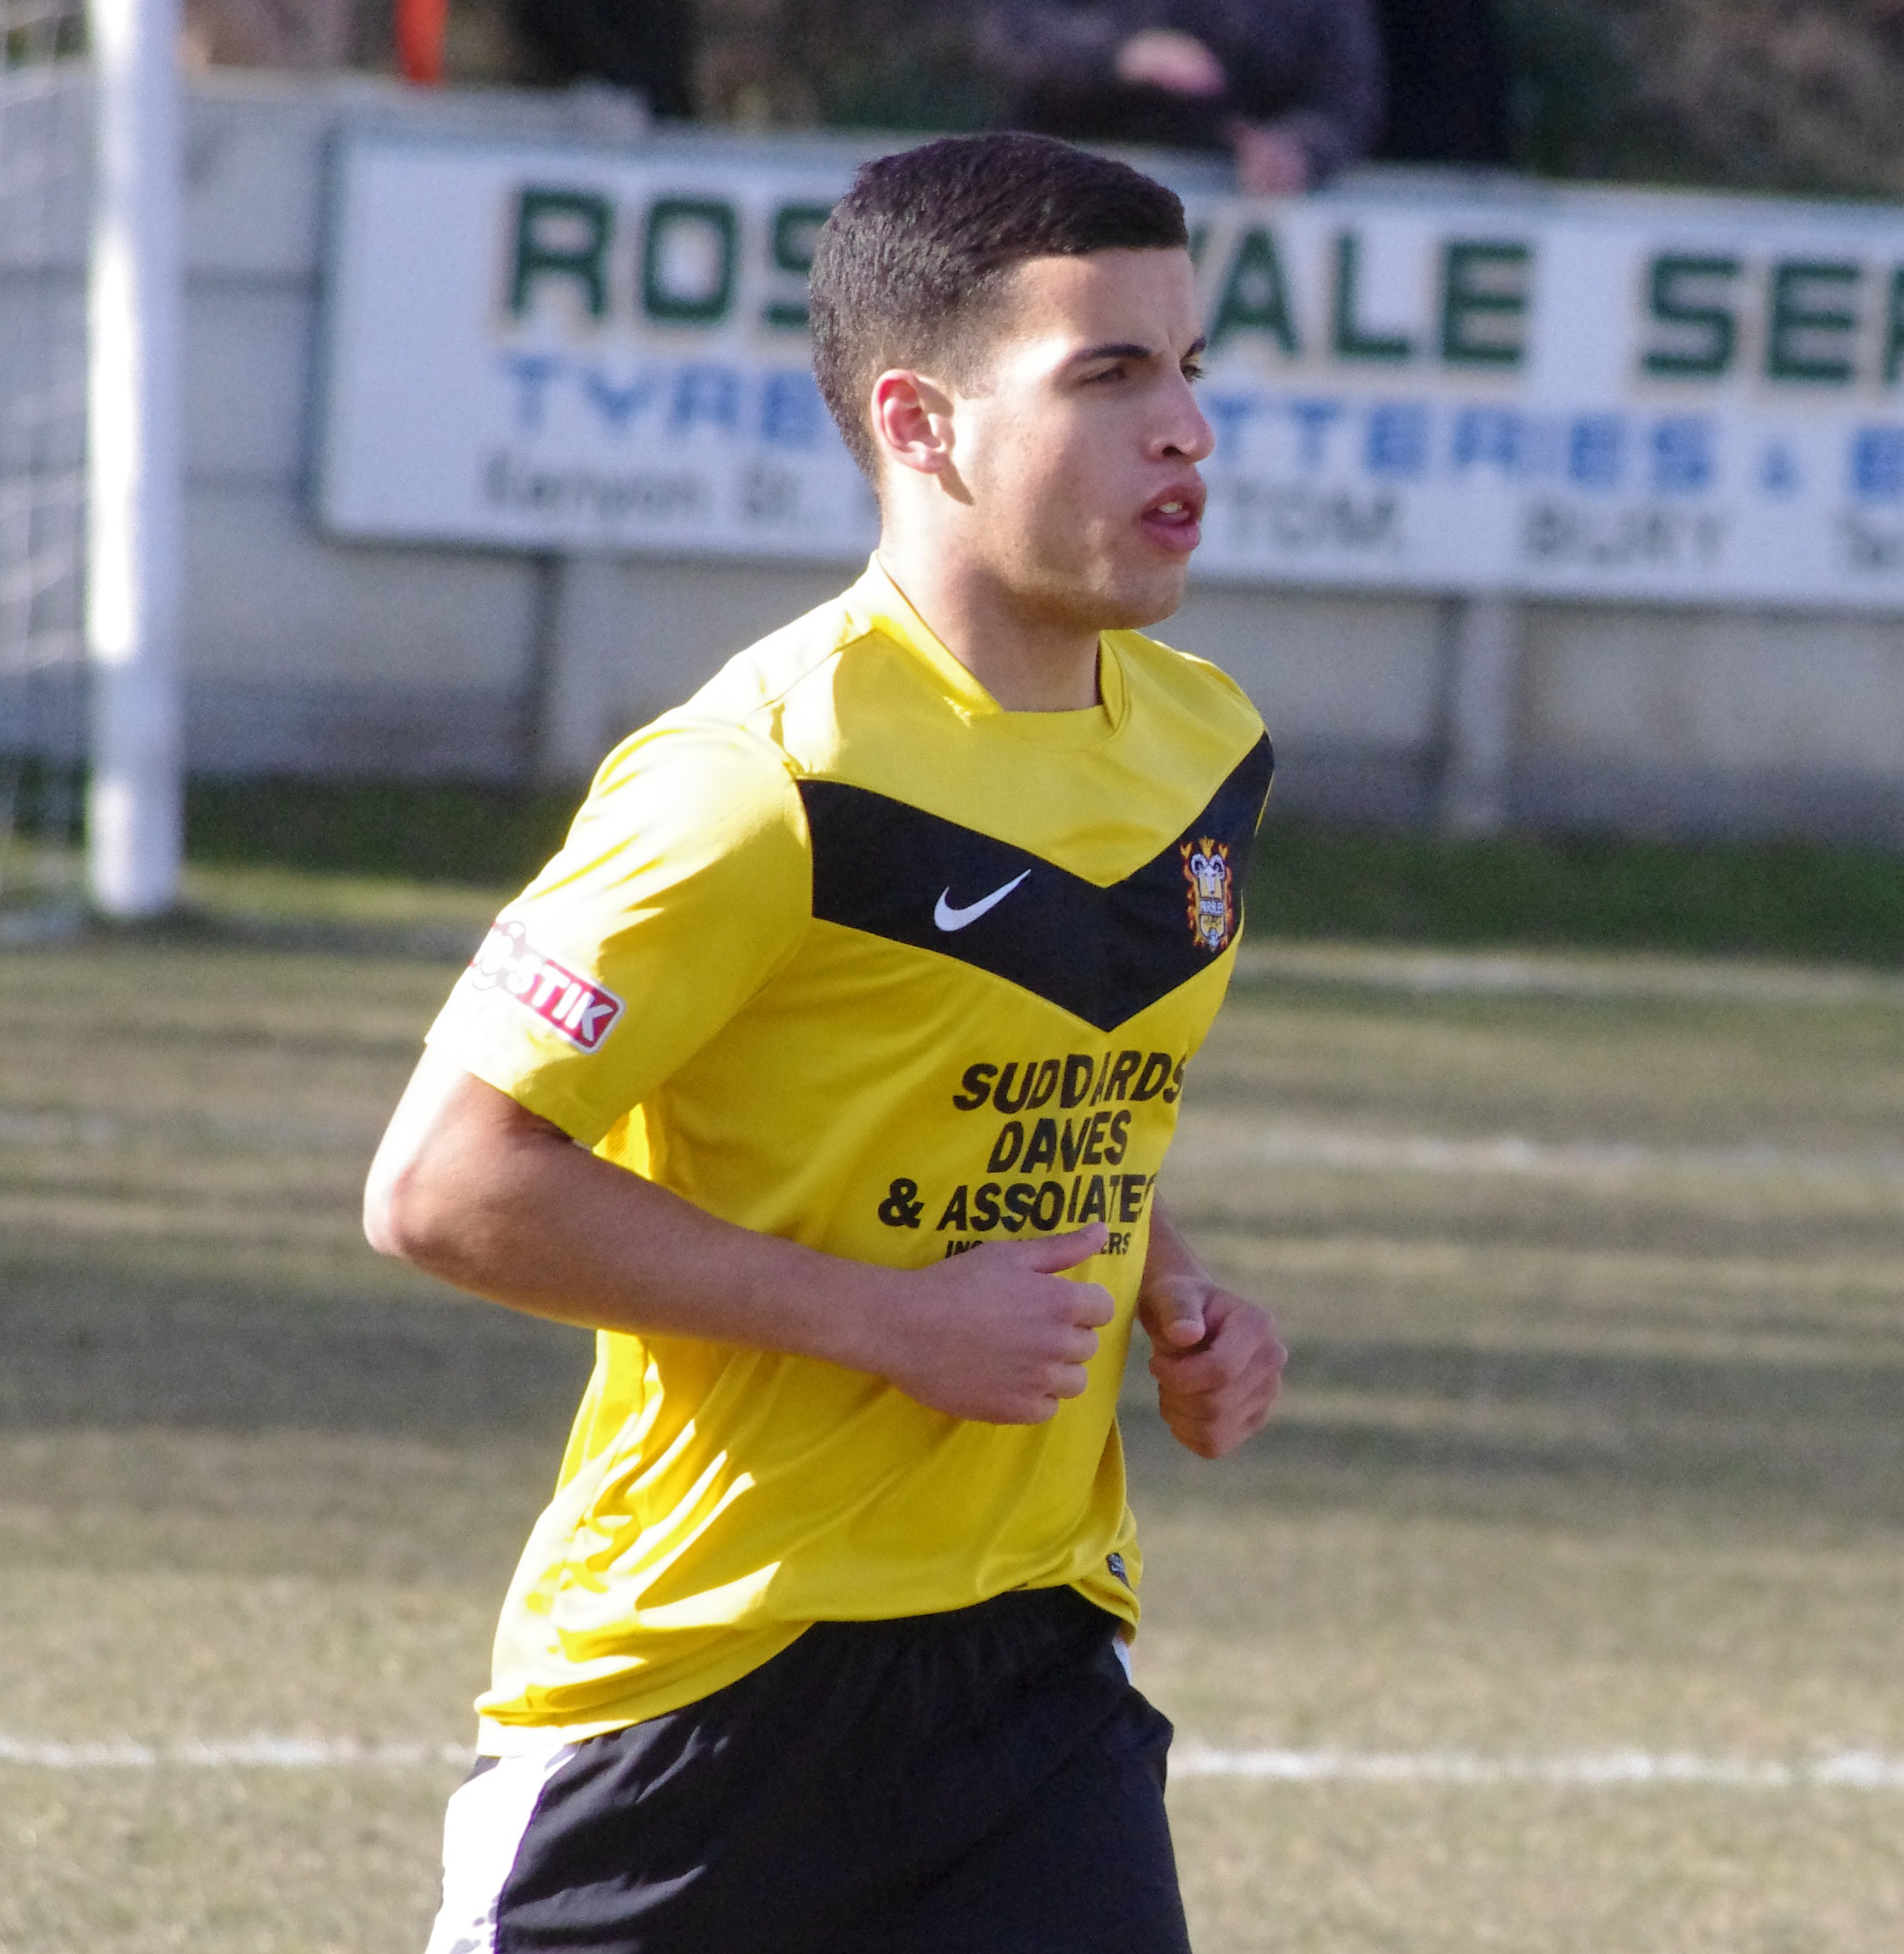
(1448, 88)
(1311, 69)
(647, 45)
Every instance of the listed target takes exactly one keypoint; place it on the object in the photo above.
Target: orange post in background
(419, 25)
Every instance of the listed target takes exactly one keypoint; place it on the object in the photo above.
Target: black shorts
(985, 1782)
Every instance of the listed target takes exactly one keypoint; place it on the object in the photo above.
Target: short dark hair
(915, 256)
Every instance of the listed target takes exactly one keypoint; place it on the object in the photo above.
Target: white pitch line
(1216, 1135)
(95, 1129)
(297, 1754)
(55, 1130)
(1611, 978)
(1848, 1770)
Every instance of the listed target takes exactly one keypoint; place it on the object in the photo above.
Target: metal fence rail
(44, 169)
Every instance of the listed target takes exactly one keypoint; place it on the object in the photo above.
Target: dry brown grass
(1575, 1458)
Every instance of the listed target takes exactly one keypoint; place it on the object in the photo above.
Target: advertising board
(1415, 385)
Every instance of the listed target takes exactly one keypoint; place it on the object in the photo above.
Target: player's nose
(1186, 434)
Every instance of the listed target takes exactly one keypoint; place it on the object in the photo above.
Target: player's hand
(997, 1334)
(1216, 1357)
(1167, 59)
(1270, 161)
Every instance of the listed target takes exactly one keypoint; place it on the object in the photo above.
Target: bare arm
(1216, 1356)
(474, 1189)
(1337, 113)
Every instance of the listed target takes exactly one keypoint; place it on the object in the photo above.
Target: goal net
(44, 175)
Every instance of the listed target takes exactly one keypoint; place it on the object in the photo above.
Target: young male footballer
(825, 1072)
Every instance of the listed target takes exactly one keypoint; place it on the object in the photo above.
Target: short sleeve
(685, 882)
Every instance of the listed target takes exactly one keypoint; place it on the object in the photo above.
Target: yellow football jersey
(842, 951)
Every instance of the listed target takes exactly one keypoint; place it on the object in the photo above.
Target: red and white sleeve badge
(584, 1012)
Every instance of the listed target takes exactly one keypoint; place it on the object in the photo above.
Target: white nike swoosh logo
(949, 919)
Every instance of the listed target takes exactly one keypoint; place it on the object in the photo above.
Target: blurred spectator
(646, 45)
(1447, 82)
(874, 64)
(1292, 87)
(755, 63)
(269, 33)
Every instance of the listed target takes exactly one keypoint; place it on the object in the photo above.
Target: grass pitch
(1594, 1441)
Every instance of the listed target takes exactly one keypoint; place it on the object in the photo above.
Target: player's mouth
(1175, 518)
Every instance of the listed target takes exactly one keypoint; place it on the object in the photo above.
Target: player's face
(1078, 446)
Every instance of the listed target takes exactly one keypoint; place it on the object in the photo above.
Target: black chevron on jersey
(1104, 955)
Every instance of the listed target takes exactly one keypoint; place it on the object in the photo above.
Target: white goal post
(135, 793)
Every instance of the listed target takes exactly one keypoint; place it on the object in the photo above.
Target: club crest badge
(1213, 902)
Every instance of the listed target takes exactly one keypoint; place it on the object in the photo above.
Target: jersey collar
(877, 604)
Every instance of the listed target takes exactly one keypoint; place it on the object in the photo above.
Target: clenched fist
(1216, 1357)
(997, 1334)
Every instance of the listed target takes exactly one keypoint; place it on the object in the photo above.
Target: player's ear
(912, 421)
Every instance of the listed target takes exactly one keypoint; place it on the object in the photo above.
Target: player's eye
(1192, 370)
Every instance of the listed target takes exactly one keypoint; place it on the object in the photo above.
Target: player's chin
(1142, 593)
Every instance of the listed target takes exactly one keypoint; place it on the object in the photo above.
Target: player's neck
(1029, 661)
